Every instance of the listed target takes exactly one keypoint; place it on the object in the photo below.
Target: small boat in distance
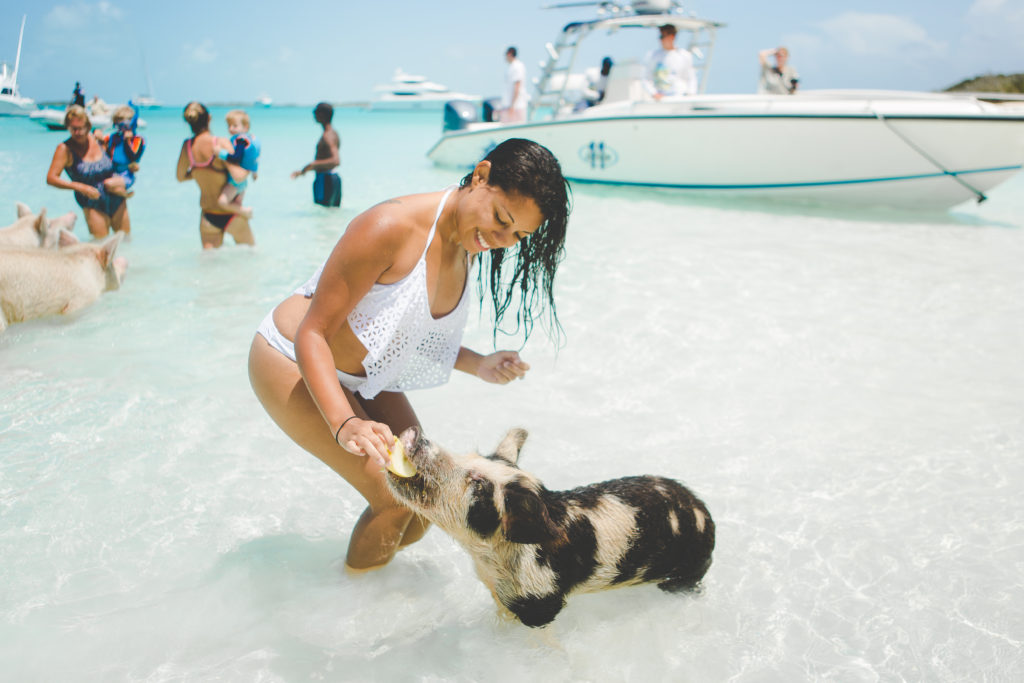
(911, 150)
(53, 119)
(409, 92)
(11, 101)
(147, 100)
(264, 100)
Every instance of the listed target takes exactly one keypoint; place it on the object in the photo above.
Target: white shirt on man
(671, 72)
(516, 73)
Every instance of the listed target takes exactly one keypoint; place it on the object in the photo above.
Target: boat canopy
(553, 85)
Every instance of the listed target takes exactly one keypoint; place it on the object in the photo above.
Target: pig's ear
(109, 247)
(66, 238)
(23, 209)
(42, 223)
(510, 446)
(526, 518)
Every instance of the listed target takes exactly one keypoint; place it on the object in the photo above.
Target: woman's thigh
(120, 221)
(239, 229)
(97, 222)
(391, 408)
(283, 393)
(210, 234)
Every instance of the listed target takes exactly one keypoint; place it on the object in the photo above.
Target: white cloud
(880, 35)
(986, 6)
(991, 42)
(204, 53)
(81, 16)
(108, 9)
(996, 15)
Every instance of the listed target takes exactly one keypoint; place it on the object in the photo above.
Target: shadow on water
(789, 207)
(295, 598)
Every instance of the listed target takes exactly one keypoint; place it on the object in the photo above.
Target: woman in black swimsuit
(198, 161)
(87, 166)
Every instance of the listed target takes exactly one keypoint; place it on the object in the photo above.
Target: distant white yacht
(11, 101)
(264, 100)
(406, 91)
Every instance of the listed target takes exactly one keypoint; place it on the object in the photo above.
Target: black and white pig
(533, 547)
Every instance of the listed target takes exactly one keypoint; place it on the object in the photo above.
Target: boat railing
(551, 88)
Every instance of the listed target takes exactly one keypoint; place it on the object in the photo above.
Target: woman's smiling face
(489, 218)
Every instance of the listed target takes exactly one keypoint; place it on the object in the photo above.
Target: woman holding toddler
(92, 176)
(199, 161)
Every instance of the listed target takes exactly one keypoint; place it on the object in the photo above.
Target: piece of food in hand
(398, 464)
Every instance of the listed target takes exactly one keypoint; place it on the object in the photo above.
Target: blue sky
(302, 51)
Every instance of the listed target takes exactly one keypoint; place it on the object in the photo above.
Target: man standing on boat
(515, 99)
(670, 69)
(780, 79)
(78, 97)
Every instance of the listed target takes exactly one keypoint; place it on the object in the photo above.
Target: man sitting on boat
(670, 69)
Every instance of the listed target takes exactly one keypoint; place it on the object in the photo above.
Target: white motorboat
(53, 119)
(406, 91)
(264, 100)
(904, 149)
(12, 103)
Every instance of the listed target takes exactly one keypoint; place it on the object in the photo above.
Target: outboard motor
(491, 107)
(458, 114)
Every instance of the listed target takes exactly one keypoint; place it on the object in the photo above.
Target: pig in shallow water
(533, 547)
(36, 230)
(37, 282)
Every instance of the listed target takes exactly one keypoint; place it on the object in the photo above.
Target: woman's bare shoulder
(398, 217)
(393, 231)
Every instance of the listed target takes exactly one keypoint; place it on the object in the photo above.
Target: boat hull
(53, 119)
(16, 106)
(904, 160)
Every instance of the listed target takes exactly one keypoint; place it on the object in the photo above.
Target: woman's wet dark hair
(197, 116)
(524, 168)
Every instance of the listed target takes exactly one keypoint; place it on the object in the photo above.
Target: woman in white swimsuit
(385, 314)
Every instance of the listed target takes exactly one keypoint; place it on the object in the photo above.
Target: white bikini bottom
(268, 330)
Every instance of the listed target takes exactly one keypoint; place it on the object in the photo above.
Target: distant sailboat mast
(17, 59)
(149, 83)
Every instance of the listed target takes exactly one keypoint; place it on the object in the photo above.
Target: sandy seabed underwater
(844, 388)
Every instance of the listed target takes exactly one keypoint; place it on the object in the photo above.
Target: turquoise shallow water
(844, 389)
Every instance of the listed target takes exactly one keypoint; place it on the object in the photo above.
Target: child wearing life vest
(242, 156)
(125, 149)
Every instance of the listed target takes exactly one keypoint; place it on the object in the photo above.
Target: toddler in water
(125, 148)
(242, 157)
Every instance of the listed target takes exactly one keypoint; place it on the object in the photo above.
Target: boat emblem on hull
(598, 155)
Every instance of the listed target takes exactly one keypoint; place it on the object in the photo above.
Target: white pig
(40, 282)
(31, 230)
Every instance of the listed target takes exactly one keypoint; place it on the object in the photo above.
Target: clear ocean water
(845, 389)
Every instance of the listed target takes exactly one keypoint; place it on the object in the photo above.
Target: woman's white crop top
(407, 348)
